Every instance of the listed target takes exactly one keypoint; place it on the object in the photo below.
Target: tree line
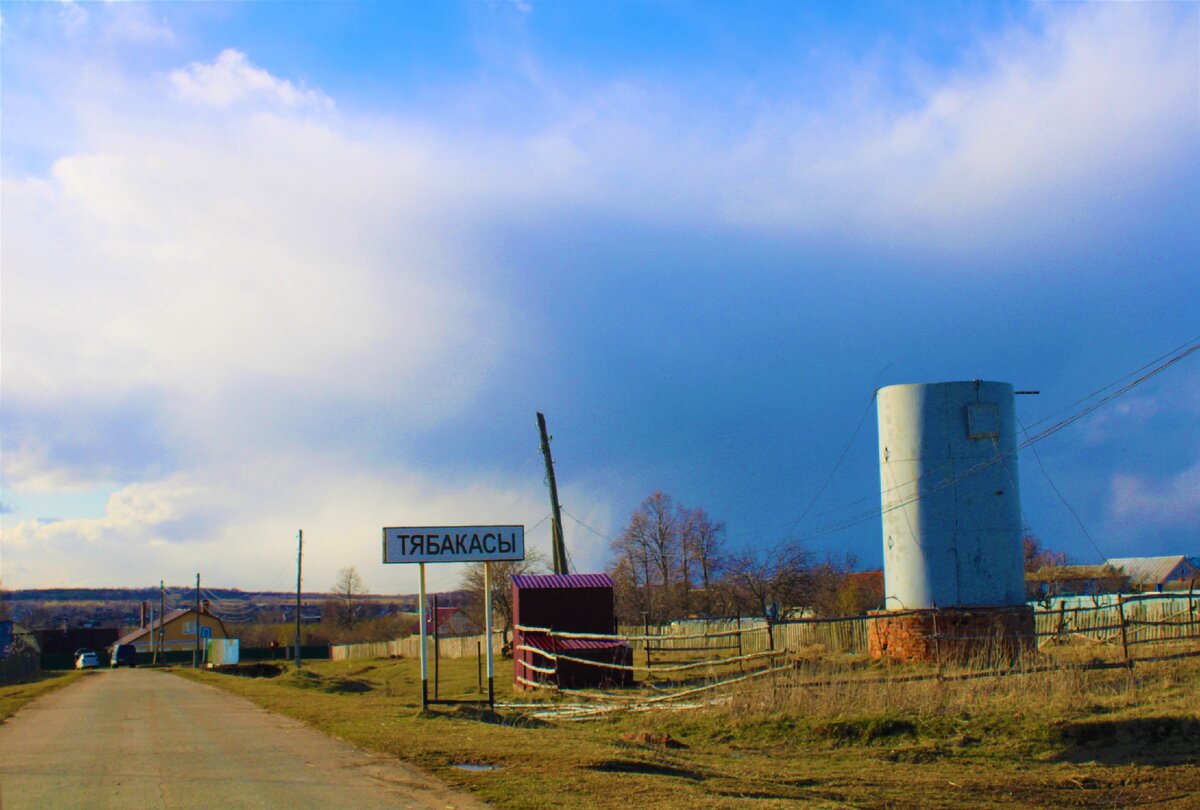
(672, 561)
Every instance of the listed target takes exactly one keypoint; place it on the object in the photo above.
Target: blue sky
(279, 265)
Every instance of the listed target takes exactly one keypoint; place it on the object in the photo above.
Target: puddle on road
(470, 766)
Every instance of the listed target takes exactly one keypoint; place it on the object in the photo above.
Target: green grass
(1072, 738)
(14, 696)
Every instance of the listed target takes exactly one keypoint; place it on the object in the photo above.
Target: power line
(1164, 362)
(1190, 346)
(601, 535)
(1037, 457)
(841, 458)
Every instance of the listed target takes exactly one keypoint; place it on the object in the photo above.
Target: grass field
(14, 696)
(832, 733)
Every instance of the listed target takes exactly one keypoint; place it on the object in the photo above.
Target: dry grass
(836, 731)
(14, 696)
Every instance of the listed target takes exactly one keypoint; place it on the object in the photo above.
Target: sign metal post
(487, 610)
(454, 544)
(424, 656)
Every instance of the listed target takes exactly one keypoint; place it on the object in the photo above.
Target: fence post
(937, 643)
(1192, 607)
(646, 635)
(1124, 634)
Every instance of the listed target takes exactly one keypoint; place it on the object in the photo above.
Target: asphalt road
(135, 738)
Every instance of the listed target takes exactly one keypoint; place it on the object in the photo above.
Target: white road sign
(452, 544)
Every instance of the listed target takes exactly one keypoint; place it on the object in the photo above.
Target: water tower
(954, 582)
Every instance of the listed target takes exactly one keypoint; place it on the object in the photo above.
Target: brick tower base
(951, 635)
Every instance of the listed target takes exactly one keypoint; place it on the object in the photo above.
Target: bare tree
(1037, 556)
(634, 559)
(649, 556)
(703, 544)
(829, 590)
(502, 601)
(347, 590)
(769, 579)
(666, 552)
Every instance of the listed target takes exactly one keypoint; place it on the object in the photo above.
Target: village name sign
(453, 544)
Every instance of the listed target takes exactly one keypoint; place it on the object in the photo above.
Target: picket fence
(1140, 618)
(410, 647)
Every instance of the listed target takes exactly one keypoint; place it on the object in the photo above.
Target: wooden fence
(1145, 618)
(835, 635)
(1117, 619)
(1127, 620)
(410, 647)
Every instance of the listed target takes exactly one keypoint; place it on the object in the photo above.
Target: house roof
(1062, 573)
(1151, 570)
(142, 632)
(441, 616)
(867, 579)
(530, 581)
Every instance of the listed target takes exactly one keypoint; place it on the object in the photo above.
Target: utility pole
(299, 563)
(162, 616)
(196, 653)
(556, 532)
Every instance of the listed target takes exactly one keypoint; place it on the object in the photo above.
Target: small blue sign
(205, 632)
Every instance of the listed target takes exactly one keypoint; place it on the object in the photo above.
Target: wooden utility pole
(162, 616)
(196, 652)
(299, 563)
(556, 532)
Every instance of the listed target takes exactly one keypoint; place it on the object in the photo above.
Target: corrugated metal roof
(1150, 570)
(562, 580)
(550, 644)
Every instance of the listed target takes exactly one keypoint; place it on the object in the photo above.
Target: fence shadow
(1140, 741)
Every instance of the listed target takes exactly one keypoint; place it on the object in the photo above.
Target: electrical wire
(1171, 358)
(1037, 457)
(599, 534)
(862, 419)
(1194, 343)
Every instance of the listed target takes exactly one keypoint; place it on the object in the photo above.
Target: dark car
(123, 655)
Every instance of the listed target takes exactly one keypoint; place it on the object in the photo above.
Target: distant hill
(183, 592)
(120, 607)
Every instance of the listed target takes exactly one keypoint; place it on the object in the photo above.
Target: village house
(1157, 573)
(178, 630)
(1050, 581)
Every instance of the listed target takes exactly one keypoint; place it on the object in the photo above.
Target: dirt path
(135, 738)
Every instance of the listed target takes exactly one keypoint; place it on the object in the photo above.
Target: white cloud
(72, 17)
(237, 525)
(28, 466)
(1037, 142)
(256, 259)
(1120, 418)
(263, 249)
(231, 79)
(1171, 501)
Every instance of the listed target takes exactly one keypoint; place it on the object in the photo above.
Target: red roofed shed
(574, 603)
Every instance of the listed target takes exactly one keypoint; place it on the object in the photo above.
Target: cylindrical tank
(951, 500)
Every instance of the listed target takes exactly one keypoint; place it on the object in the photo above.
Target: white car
(87, 660)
